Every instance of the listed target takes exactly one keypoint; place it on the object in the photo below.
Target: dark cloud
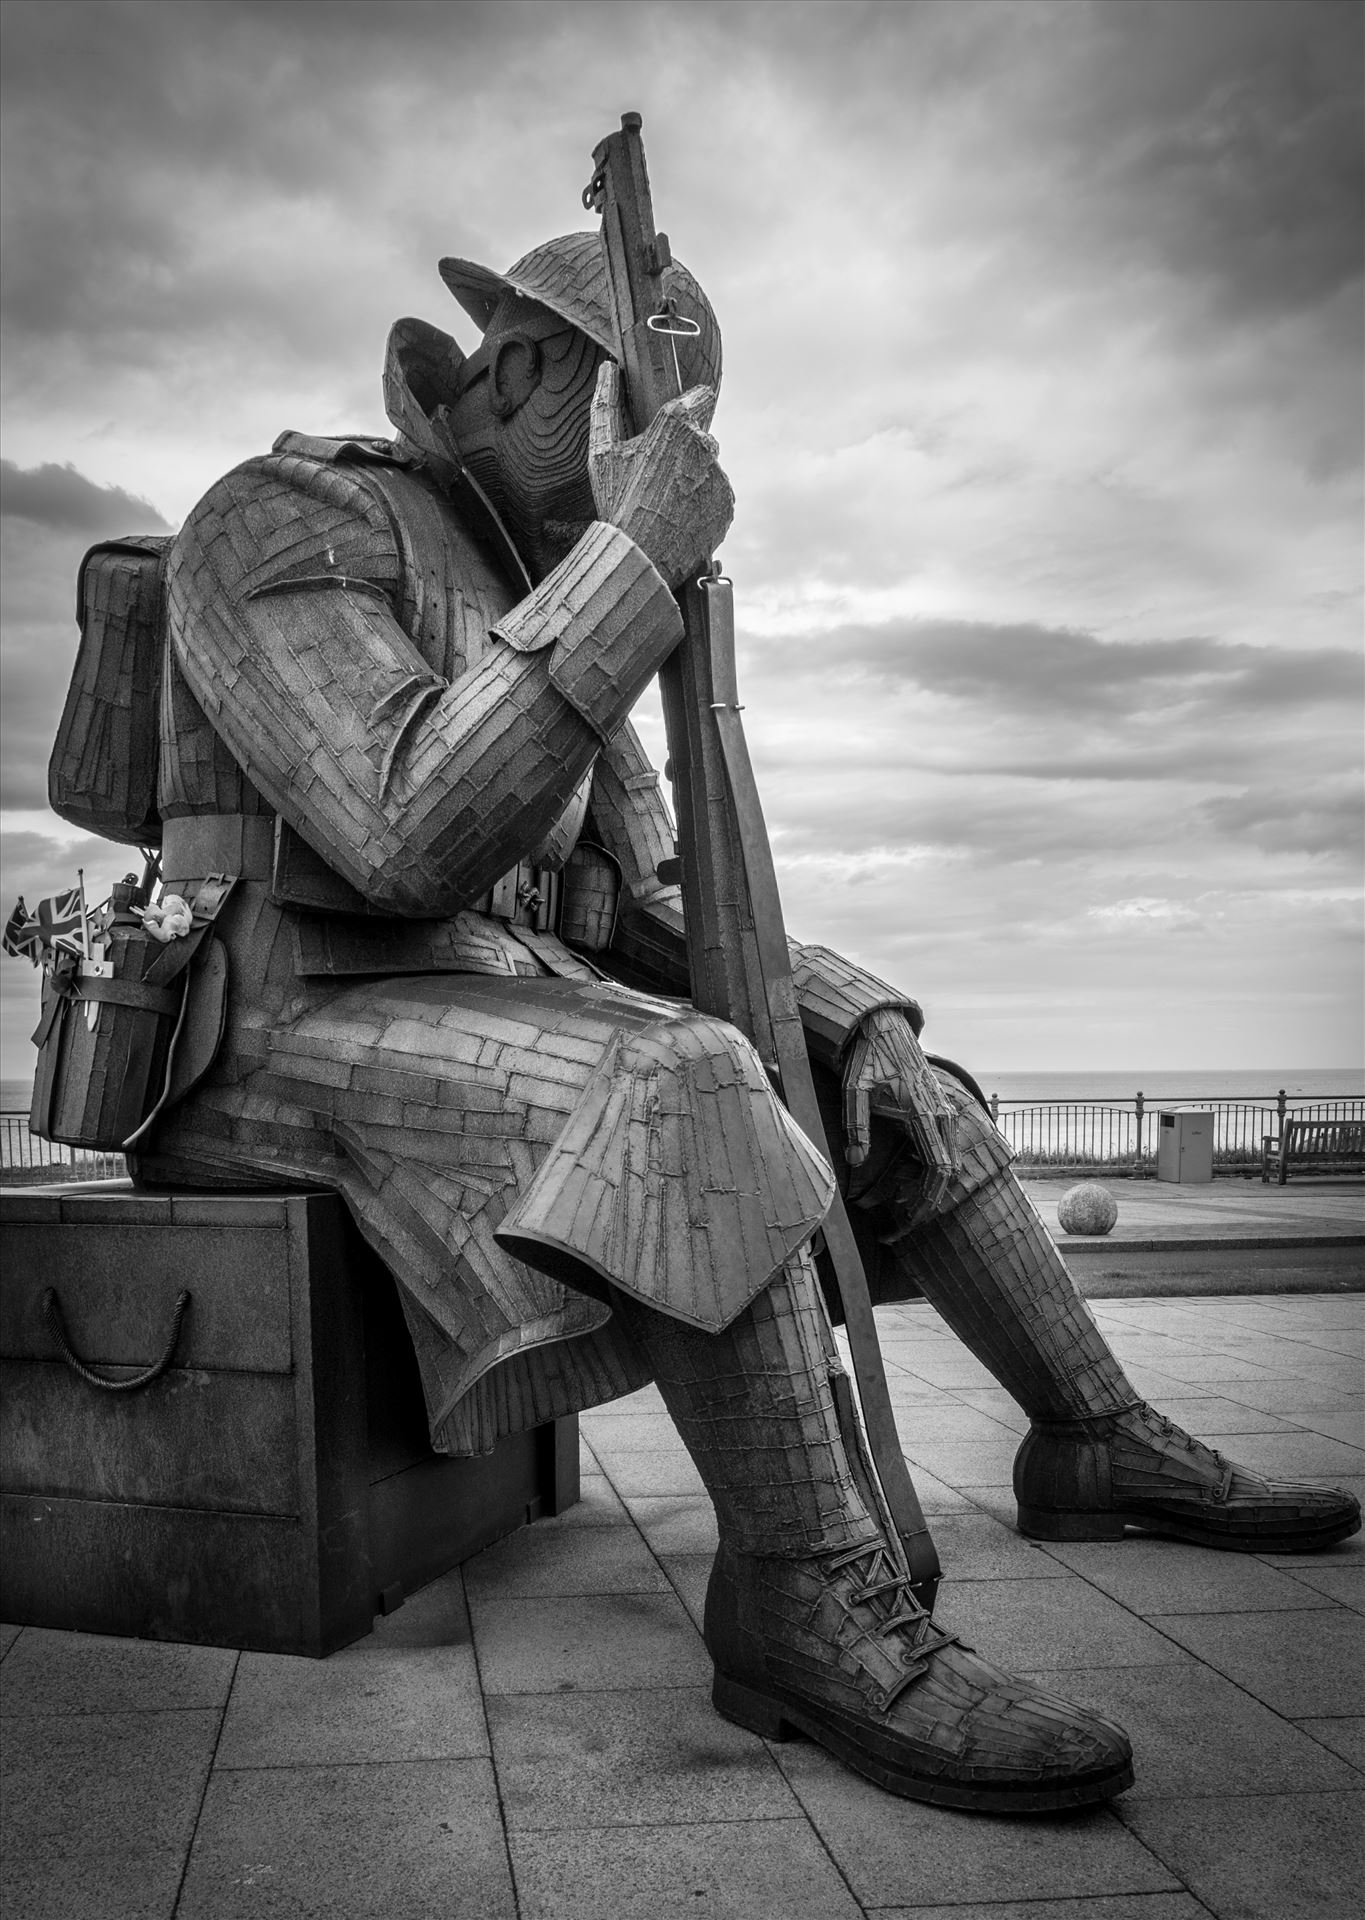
(1322, 818)
(1065, 672)
(39, 645)
(1056, 327)
(61, 498)
(1236, 133)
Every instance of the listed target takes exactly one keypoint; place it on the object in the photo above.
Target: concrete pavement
(1234, 1236)
(531, 1736)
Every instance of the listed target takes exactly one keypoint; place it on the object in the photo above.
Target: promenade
(531, 1738)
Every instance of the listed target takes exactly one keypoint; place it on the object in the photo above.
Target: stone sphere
(1088, 1208)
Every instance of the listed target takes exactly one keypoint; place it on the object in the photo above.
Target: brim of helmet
(478, 290)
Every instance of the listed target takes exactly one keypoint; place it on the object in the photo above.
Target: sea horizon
(1167, 1083)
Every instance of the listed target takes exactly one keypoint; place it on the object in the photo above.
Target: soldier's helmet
(569, 275)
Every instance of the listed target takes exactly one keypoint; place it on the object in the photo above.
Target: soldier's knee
(983, 1151)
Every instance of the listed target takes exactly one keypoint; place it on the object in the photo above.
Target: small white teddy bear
(171, 919)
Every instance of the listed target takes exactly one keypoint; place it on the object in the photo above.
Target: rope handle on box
(52, 1313)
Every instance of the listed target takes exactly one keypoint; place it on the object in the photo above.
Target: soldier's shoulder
(308, 497)
(339, 450)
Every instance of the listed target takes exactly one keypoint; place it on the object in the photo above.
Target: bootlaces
(886, 1588)
(1170, 1431)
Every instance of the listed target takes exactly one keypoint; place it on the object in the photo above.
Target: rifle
(737, 953)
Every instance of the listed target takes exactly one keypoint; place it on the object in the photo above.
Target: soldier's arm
(629, 818)
(418, 790)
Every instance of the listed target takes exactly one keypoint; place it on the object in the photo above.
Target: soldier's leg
(679, 1190)
(637, 1151)
(809, 1616)
(1097, 1459)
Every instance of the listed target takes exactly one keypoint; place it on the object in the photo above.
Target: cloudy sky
(1043, 407)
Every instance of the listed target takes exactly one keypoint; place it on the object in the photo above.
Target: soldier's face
(522, 413)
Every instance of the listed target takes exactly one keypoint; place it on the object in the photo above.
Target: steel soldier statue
(394, 709)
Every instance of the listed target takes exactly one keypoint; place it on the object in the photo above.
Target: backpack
(102, 774)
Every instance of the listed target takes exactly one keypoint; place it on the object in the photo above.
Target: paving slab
(1344, 1735)
(50, 1672)
(598, 1503)
(1291, 1856)
(1053, 1624)
(998, 1404)
(625, 1432)
(435, 1616)
(597, 1641)
(1195, 1733)
(1159, 1387)
(1284, 1310)
(689, 1575)
(1293, 1398)
(944, 1422)
(99, 1809)
(1120, 1906)
(936, 1496)
(615, 1759)
(1312, 1664)
(749, 1870)
(1196, 1366)
(544, 1559)
(8, 1635)
(676, 1523)
(1327, 1374)
(1347, 1424)
(1349, 1483)
(404, 1703)
(413, 1841)
(1155, 1577)
(659, 1471)
(962, 1463)
(976, 1546)
(946, 1365)
(999, 1502)
(897, 1853)
(1344, 1584)
(1231, 1672)
(907, 1389)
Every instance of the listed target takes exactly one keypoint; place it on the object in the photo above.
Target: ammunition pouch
(122, 1037)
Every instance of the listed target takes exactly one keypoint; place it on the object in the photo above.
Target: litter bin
(1184, 1150)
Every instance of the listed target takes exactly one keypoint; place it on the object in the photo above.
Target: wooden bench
(273, 1486)
(1332, 1146)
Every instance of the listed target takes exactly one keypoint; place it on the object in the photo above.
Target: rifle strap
(798, 1092)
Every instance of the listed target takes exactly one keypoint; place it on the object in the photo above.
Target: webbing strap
(128, 993)
(798, 1091)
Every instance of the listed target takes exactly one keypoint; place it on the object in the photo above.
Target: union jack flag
(55, 923)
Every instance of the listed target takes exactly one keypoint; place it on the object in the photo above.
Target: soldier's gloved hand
(665, 488)
(885, 1073)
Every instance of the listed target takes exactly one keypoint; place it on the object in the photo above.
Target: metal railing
(27, 1160)
(1120, 1132)
(1116, 1133)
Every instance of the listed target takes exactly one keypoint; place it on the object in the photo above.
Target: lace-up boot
(809, 1616)
(835, 1647)
(1090, 1479)
(1098, 1459)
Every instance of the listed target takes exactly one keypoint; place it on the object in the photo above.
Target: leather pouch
(112, 1030)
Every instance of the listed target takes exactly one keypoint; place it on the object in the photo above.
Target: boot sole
(1035, 1523)
(775, 1719)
